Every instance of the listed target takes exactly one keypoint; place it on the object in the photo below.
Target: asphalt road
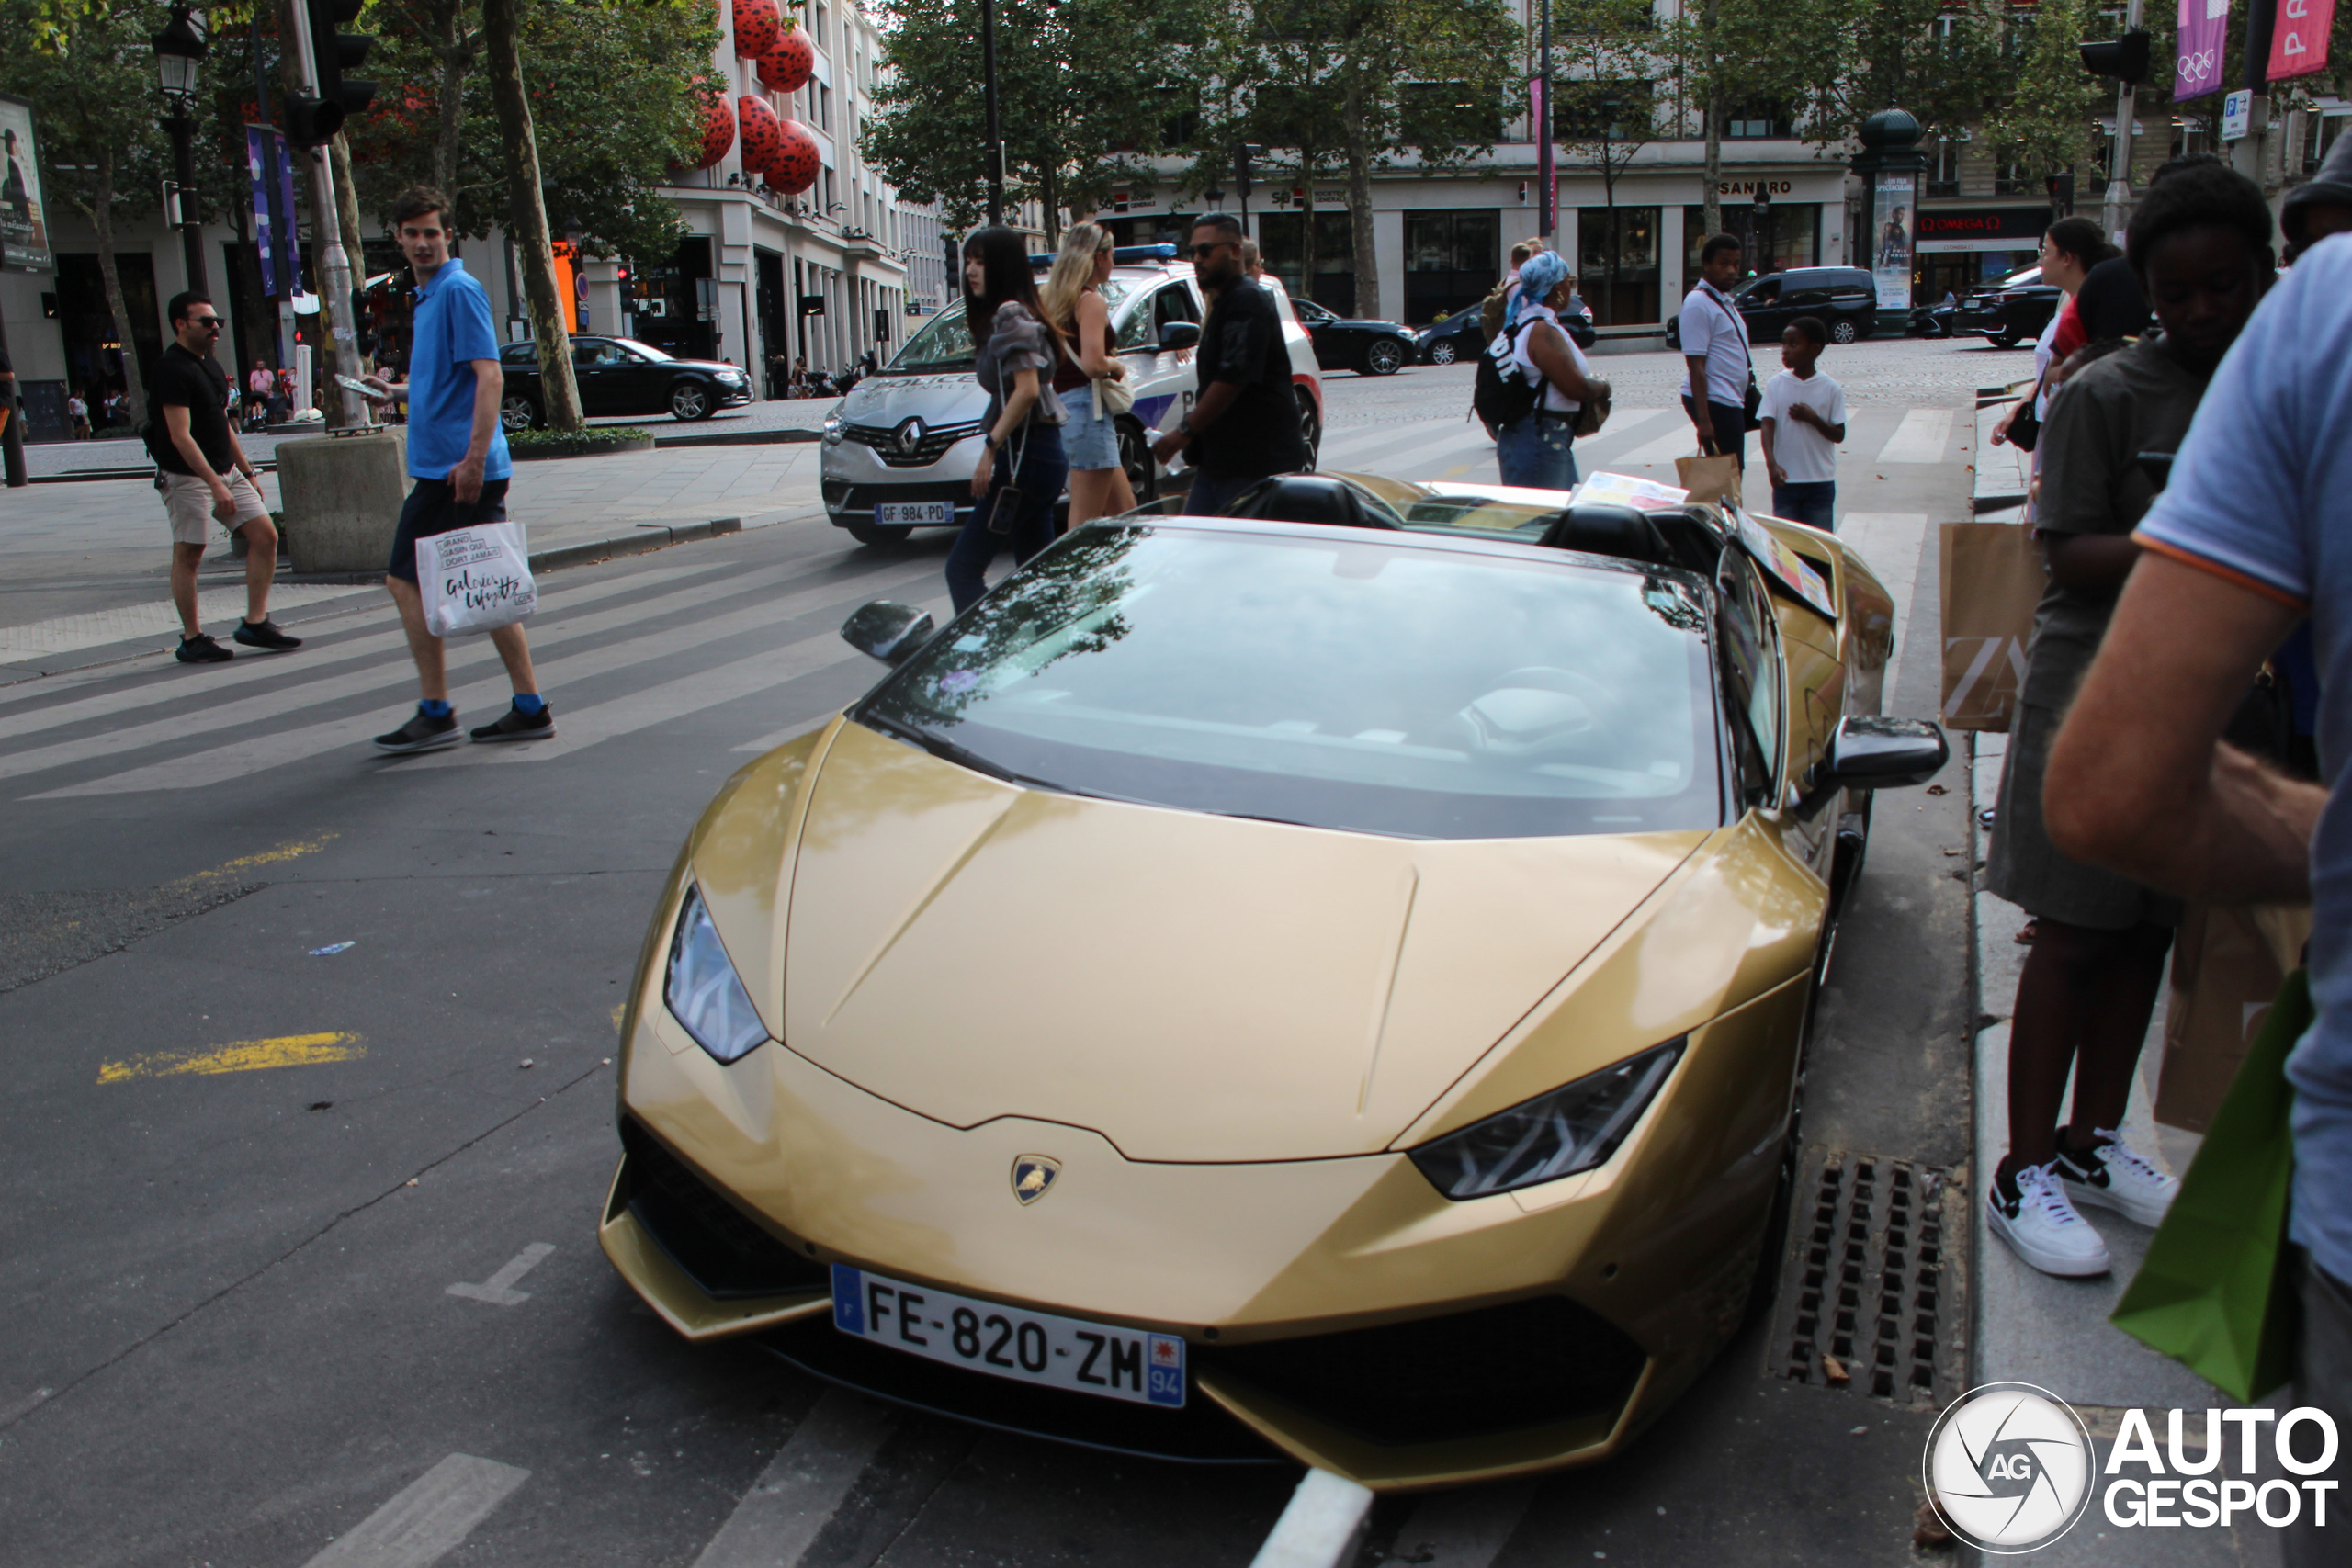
(299, 1039)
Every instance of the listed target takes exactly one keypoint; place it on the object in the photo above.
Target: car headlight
(1572, 1128)
(832, 430)
(703, 991)
(728, 379)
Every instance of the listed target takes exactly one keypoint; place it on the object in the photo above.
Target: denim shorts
(1088, 442)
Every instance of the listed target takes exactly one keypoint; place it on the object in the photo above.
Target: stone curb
(637, 542)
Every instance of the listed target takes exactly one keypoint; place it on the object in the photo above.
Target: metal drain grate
(1876, 1279)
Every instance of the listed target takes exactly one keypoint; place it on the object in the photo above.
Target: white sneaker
(2115, 1176)
(2042, 1228)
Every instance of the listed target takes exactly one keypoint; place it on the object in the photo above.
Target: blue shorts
(1088, 442)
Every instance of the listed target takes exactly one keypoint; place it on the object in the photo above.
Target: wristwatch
(1185, 427)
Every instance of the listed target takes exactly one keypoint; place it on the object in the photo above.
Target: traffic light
(313, 122)
(2125, 58)
(1241, 152)
(2062, 194)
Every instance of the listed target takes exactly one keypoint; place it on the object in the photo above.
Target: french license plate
(1007, 1342)
(888, 514)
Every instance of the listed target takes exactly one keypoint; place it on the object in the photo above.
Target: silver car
(900, 449)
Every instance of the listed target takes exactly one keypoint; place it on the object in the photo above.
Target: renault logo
(910, 436)
(1033, 1175)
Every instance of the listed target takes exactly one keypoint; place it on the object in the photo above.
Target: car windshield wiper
(947, 750)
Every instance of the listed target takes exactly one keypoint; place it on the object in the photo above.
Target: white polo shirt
(1711, 326)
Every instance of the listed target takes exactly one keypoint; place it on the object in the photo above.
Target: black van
(1844, 299)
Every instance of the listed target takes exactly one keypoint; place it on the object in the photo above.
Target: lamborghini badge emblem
(1033, 1175)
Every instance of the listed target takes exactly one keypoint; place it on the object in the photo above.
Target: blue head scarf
(1538, 275)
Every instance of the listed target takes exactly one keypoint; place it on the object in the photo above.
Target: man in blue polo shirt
(457, 455)
(2253, 536)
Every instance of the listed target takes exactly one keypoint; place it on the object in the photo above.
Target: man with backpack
(206, 477)
(1715, 345)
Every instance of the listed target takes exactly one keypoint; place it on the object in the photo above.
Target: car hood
(946, 397)
(715, 366)
(1195, 989)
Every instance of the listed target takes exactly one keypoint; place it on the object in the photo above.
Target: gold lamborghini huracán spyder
(1328, 983)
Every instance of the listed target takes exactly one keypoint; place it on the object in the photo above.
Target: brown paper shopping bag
(1993, 578)
(2224, 973)
(1709, 479)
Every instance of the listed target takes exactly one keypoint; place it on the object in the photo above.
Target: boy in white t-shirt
(1803, 413)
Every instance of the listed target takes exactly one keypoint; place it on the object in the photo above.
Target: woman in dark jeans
(1014, 358)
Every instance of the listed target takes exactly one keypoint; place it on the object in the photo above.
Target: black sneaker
(516, 725)
(202, 650)
(264, 633)
(423, 732)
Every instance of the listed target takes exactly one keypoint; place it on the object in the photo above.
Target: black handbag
(1005, 507)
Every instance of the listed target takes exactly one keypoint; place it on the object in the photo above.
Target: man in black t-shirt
(1244, 424)
(205, 477)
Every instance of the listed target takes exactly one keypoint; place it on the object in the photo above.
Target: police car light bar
(1124, 255)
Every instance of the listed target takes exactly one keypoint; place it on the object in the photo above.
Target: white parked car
(900, 449)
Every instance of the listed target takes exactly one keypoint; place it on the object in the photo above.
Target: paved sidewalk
(2031, 1328)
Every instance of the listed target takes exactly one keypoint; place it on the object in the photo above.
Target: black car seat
(1621, 532)
(1306, 498)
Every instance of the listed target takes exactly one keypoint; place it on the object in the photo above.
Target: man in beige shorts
(207, 478)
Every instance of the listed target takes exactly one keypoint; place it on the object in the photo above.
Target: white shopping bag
(475, 579)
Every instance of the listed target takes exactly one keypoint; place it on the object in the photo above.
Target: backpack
(1500, 396)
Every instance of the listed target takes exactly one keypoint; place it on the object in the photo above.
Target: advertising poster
(1894, 198)
(2204, 27)
(273, 199)
(23, 231)
(2299, 43)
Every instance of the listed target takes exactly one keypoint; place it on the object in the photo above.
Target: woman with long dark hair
(1022, 468)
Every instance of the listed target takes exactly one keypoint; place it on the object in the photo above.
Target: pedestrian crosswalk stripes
(611, 654)
(1920, 438)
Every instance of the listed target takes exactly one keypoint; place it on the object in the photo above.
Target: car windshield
(645, 350)
(1359, 684)
(942, 344)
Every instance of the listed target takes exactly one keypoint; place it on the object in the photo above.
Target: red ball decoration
(786, 67)
(763, 133)
(717, 126)
(758, 24)
(792, 169)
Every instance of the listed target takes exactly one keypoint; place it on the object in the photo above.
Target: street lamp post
(993, 147)
(180, 50)
(1545, 223)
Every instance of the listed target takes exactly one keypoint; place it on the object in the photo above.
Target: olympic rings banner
(2204, 27)
(2299, 39)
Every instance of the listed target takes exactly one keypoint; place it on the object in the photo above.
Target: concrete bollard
(341, 496)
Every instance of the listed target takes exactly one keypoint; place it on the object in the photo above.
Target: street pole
(994, 148)
(12, 438)
(2246, 155)
(326, 218)
(2115, 208)
(1546, 220)
(182, 130)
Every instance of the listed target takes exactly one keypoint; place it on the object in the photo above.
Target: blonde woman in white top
(1075, 308)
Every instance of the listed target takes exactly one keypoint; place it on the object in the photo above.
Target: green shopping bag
(2216, 1292)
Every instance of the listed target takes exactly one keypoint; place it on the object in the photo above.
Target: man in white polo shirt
(1714, 346)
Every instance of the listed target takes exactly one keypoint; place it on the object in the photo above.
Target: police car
(899, 450)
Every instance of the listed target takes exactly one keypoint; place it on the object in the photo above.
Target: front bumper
(853, 478)
(1339, 1312)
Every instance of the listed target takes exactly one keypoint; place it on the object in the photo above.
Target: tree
(1605, 110)
(2044, 124)
(89, 71)
(1084, 92)
(528, 213)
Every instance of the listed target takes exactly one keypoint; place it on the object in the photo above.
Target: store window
(1282, 244)
(1786, 234)
(1617, 270)
(1452, 259)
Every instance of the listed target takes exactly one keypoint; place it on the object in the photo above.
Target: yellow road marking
(291, 849)
(239, 1056)
(619, 1009)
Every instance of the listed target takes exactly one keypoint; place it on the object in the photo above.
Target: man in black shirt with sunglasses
(1244, 424)
(208, 479)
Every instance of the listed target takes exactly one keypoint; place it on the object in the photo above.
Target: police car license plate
(1008, 1342)
(889, 513)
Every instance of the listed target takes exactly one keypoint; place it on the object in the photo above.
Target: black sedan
(1341, 343)
(621, 376)
(2017, 309)
(1461, 335)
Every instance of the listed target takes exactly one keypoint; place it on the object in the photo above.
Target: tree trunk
(455, 55)
(1307, 257)
(520, 151)
(134, 384)
(1367, 265)
(1052, 199)
(355, 249)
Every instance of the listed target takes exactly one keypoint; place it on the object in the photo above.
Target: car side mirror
(887, 630)
(1175, 335)
(1866, 751)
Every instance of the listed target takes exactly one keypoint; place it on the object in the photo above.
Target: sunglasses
(1199, 251)
(204, 324)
